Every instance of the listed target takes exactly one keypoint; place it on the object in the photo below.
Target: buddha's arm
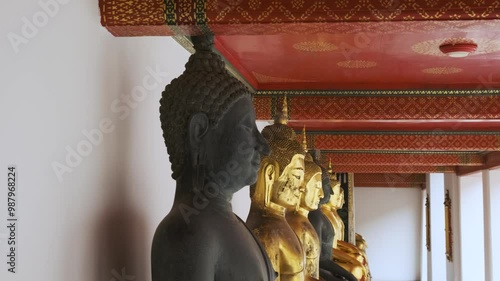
(351, 250)
(336, 270)
(271, 248)
(349, 247)
(349, 263)
(343, 256)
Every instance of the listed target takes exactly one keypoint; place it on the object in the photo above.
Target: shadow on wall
(120, 240)
(119, 233)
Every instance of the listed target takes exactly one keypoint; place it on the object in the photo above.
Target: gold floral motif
(262, 78)
(254, 4)
(431, 3)
(431, 47)
(386, 3)
(315, 46)
(356, 64)
(146, 12)
(297, 4)
(442, 70)
(342, 3)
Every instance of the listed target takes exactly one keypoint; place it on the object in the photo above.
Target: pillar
(472, 227)
(491, 200)
(437, 259)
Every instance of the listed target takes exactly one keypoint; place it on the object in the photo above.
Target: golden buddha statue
(353, 250)
(279, 179)
(345, 254)
(328, 269)
(362, 245)
(297, 216)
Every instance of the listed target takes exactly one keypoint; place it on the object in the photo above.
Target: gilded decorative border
(467, 154)
(448, 226)
(377, 92)
(170, 17)
(422, 133)
(427, 223)
(352, 219)
(200, 13)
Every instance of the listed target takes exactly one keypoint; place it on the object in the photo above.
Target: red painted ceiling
(387, 138)
(365, 61)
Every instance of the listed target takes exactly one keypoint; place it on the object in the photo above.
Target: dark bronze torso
(229, 249)
(329, 270)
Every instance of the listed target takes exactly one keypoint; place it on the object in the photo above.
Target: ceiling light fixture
(458, 50)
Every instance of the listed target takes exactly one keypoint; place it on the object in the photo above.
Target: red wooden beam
(141, 17)
(464, 125)
(404, 169)
(326, 112)
(404, 141)
(390, 185)
(395, 159)
(389, 180)
(492, 160)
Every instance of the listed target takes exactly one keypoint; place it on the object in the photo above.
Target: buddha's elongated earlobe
(198, 128)
(270, 177)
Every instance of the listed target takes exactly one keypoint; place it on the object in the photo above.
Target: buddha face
(288, 184)
(341, 201)
(313, 193)
(334, 198)
(235, 146)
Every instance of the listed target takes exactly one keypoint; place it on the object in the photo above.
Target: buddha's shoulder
(185, 227)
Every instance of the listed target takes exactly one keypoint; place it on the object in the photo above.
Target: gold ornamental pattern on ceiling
(284, 16)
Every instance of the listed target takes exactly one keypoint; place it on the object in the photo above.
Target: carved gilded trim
(427, 223)
(352, 219)
(448, 226)
(377, 92)
(416, 133)
(466, 154)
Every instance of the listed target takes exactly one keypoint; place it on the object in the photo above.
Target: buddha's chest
(306, 234)
(242, 258)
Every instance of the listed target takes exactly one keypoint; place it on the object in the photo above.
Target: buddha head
(325, 179)
(336, 189)
(208, 124)
(312, 191)
(281, 173)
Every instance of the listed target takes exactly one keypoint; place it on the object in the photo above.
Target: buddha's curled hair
(205, 86)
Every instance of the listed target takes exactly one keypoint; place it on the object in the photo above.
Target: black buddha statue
(329, 270)
(209, 128)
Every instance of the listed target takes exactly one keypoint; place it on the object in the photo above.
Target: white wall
(100, 219)
(390, 221)
(492, 233)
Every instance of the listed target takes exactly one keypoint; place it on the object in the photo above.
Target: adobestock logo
(31, 26)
